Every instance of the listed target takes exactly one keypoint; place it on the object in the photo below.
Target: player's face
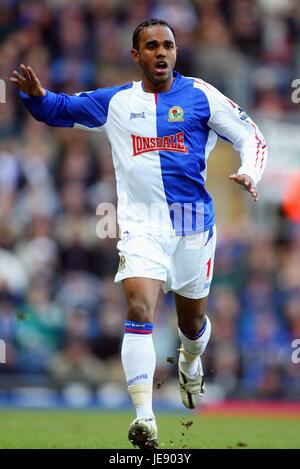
(156, 54)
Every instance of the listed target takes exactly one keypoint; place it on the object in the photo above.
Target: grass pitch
(97, 429)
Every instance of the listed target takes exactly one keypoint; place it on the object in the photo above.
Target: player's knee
(139, 311)
(192, 325)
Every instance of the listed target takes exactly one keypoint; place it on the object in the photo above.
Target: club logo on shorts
(121, 264)
(176, 114)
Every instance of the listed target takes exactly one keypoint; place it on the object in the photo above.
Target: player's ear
(135, 56)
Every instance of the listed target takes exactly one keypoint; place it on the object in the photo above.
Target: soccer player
(161, 130)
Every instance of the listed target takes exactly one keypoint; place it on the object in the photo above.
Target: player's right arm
(88, 109)
(231, 123)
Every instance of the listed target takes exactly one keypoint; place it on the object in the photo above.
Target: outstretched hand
(246, 183)
(28, 82)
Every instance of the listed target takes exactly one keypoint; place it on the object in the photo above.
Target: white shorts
(183, 263)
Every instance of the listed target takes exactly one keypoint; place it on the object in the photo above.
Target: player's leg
(194, 330)
(191, 272)
(138, 356)
(191, 314)
(142, 269)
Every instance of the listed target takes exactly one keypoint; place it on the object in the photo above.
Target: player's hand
(28, 82)
(246, 183)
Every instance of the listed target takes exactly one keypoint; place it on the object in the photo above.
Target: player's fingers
(254, 193)
(15, 80)
(245, 184)
(18, 76)
(25, 72)
(32, 74)
(240, 179)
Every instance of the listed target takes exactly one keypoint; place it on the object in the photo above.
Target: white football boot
(191, 389)
(143, 433)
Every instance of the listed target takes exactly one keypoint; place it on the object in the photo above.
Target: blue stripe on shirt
(181, 172)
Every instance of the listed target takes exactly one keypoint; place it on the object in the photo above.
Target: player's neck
(151, 87)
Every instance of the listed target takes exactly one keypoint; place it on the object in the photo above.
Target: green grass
(96, 429)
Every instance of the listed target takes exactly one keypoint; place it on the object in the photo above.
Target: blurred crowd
(61, 315)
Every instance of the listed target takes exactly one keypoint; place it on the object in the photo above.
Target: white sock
(138, 359)
(192, 348)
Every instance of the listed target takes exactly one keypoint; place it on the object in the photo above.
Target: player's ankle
(141, 396)
(144, 414)
(188, 366)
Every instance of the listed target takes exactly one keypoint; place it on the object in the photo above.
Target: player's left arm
(230, 122)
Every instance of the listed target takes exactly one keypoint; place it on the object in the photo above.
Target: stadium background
(61, 316)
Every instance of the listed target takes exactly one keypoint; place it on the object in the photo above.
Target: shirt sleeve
(86, 109)
(231, 123)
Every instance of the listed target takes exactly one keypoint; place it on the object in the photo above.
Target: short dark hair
(146, 24)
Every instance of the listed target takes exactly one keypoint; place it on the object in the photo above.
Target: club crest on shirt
(176, 114)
